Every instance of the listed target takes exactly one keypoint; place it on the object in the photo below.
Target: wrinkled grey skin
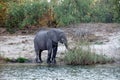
(48, 40)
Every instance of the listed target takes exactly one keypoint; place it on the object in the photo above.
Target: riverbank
(104, 39)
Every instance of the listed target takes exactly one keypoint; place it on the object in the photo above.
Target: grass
(21, 60)
(18, 60)
(80, 56)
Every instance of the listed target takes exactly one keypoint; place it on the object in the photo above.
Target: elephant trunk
(66, 45)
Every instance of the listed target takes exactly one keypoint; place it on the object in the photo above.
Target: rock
(2, 30)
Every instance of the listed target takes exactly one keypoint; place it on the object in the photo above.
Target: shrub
(72, 11)
(80, 56)
(117, 11)
(102, 11)
(3, 8)
(24, 14)
(76, 11)
(21, 60)
(18, 60)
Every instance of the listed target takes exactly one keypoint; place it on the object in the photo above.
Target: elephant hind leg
(37, 56)
(40, 51)
(36, 52)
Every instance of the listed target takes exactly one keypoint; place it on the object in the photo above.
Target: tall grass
(84, 57)
(81, 56)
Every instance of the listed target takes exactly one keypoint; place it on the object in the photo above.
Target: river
(42, 72)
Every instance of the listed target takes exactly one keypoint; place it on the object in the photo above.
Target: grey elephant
(48, 40)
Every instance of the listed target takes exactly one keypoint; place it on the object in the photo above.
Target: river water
(40, 72)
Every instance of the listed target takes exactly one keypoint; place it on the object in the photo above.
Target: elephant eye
(61, 40)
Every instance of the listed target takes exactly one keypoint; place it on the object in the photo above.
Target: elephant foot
(48, 61)
(39, 61)
(53, 61)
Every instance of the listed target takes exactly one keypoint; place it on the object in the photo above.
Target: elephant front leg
(49, 56)
(54, 54)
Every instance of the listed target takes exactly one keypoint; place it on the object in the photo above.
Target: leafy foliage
(76, 11)
(18, 60)
(26, 14)
(72, 11)
(22, 13)
(117, 10)
(21, 60)
(102, 11)
(3, 7)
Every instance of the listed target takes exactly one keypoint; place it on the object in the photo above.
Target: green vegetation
(26, 14)
(18, 60)
(85, 57)
(18, 14)
(21, 60)
(72, 11)
(117, 10)
(2, 13)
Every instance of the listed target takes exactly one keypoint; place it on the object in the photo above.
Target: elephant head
(57, 35)
(63, 39)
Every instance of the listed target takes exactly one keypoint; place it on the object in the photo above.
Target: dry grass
(80, 56)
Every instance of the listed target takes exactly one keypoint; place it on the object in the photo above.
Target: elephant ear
(53, 36)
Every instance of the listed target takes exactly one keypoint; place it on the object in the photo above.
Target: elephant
(48, 40)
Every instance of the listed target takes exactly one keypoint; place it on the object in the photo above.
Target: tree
(117, 9)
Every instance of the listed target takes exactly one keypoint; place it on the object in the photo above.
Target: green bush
(84, 11)
(117, 11)
(64, 12)
(84, 57)
(18, 60)
(72, 11)
(102, 11)
(25, 14)
(21, 60)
